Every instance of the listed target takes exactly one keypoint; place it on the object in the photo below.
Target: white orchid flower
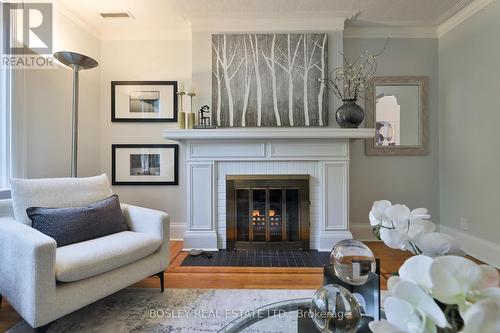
(398, 214)
(383, 326)
(377, 213)
(410, 309)
(417, 270)
(394, 238)
(437, 244)
(483, 317)
(419, 214)
(401, 214)
(404, 237)
(457, 280)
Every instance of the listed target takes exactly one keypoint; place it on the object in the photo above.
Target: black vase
(350, 115)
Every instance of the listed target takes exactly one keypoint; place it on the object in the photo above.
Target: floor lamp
(76, 62)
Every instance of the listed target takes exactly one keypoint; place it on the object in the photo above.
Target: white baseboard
(329, 238)
(200, 239)
(474, 246)
(362, 232)
(177, 230)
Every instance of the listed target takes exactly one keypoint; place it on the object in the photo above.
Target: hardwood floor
(177, 276)
(8, 316)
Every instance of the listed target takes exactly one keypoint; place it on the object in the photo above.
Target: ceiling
(171, 19)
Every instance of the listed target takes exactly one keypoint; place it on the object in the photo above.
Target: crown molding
(114, 34)
(260, 22)
(263, 25)
(460, 15)
(454, 17)
(458, 7)
(59, 7)
(392, 32)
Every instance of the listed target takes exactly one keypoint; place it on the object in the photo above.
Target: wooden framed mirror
(397, 107)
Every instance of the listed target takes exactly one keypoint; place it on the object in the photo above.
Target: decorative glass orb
(335, 310)
(352, 261)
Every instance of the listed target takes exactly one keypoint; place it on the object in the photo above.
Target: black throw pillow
(78, 224)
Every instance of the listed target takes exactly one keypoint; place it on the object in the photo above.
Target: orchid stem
(415, 249)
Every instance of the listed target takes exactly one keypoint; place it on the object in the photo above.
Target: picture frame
(145, 164)
(420, 148)
(144, 101)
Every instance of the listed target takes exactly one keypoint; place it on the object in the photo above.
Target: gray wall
(469, 85)
(412, 180)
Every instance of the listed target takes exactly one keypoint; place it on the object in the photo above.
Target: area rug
(260, 258)
(176, 310)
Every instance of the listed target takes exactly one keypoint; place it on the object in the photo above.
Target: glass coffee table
(286, 316)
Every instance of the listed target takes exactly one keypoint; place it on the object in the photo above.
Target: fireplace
(267, 211)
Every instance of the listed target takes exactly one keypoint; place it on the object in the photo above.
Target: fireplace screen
(268, 211)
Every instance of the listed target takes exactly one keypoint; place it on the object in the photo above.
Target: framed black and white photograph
(139, 164)
(143, 101)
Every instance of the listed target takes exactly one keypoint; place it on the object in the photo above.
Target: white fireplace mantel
(269, 133)
(213, 154)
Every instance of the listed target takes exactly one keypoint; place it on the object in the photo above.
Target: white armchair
(43, 282)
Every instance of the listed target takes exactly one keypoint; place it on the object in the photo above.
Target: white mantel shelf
(268, 133)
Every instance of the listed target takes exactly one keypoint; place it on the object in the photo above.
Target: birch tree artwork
(269, 80)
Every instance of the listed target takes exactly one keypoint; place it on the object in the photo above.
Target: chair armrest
(151, 222)
(148, 221)
(27, 270)
(6, 209)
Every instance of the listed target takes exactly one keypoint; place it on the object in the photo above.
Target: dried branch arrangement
(351, 81)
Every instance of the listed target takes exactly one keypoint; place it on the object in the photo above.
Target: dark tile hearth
(260, 258)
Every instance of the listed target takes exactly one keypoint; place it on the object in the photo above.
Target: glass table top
(281, 317)
(275, 317)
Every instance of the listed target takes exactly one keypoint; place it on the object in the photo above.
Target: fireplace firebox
(267, 211)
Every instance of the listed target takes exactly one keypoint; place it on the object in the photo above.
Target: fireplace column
(202, 229)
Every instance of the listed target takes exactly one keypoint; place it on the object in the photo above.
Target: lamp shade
(75, 60)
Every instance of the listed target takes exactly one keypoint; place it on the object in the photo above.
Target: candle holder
(191, 94)
(180, 94)
(182, 114)
(191, 119)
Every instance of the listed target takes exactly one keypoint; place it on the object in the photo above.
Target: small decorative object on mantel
(182, 114)
(145, 164)
(190, 116)
(454, 294)
(204, 121)
(349, 83)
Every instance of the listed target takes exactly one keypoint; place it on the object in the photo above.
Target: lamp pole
(74, 130)
(76, 62)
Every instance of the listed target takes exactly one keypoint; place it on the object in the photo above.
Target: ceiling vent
(116, 15)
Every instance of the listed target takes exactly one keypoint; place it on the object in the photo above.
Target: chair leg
(162, 280)
(42, 329)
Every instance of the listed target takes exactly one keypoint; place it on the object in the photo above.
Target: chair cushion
(78, 224)
(82, 260)
(56, 192)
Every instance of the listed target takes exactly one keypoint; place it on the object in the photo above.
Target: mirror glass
(397, 114)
